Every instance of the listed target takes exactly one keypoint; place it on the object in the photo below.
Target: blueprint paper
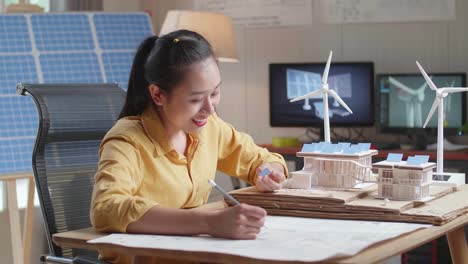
(286, 239)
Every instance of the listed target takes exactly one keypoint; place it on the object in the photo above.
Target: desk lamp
(216, 28)
(23, 6)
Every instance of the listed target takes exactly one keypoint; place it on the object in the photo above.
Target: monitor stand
(448, 146)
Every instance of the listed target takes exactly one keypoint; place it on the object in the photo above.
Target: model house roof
(341, 149)
(394, 160)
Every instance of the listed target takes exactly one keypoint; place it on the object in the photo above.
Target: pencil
(223, 192)
(227, 195)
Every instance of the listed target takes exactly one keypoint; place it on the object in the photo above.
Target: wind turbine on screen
(441, 93)
(325, 92)
(412, 102)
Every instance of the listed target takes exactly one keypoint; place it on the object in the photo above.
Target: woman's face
(189, 105)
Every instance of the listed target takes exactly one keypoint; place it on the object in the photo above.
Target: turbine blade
(305, 96)
(428, 79)
(433, 108)
(454, 89)
(338, 98)
(327, 68)
(401, 86)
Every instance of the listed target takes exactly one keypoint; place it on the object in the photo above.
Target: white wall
(394, 47)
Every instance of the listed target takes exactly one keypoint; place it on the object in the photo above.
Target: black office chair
(73, 119)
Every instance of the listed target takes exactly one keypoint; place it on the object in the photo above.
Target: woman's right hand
(238, 222)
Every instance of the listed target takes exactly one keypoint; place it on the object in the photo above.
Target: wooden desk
(376, 253)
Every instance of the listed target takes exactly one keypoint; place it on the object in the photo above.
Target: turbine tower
(441, 93)
(325, 92)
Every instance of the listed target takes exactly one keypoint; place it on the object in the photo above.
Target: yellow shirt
(139, 168)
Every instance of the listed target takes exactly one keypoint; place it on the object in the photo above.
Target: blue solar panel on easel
(62, 32)
(14, 69)
(14, 34)
(15, 155)
(18, 117)
(121, 31)
(80, 67)
(116, 66)
(63, 48)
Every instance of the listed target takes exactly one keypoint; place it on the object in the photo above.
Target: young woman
(156, 161)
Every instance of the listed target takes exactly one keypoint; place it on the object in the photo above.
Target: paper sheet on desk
(286, 238)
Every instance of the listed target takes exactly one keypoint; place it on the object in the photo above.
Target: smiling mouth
(199, 122)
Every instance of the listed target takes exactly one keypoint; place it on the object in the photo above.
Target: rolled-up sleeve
(238, 155)
(114, 203)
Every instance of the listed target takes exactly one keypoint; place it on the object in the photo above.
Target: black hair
(163, 61)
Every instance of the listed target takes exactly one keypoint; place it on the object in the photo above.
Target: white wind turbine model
(441, 93)
(325, 92)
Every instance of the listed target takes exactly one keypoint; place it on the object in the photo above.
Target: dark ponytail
(136, 99)
(163, 61)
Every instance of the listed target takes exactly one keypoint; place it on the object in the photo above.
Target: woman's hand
(272, 181)
(238, 222)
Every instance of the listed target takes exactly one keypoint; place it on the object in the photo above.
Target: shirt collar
(155, 131)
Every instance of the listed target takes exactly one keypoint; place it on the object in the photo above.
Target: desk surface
(448, 155)
(375, 253)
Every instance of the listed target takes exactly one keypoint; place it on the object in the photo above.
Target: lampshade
(216, 28)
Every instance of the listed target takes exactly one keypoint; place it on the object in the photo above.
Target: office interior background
(442, 46)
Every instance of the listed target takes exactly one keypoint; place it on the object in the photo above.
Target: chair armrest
(87, 260)
(54, 260)
(76, 260)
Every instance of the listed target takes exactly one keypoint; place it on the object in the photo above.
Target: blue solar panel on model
(71, 68)
(14, 34)
(62, 32)
(116, 65)
(121, 31)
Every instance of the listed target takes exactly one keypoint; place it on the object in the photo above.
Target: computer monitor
(405, 100)
(353, 81)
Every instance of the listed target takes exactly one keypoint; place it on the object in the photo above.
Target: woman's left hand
(271, 181)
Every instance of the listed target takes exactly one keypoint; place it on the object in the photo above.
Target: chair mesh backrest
(73, 119)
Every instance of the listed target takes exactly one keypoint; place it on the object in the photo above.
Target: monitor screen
(405, 101)
(352, 81)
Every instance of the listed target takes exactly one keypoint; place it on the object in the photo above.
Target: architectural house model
(340, 165)
(404, 180)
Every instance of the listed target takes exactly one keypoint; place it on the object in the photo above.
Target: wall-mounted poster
(261, 13)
